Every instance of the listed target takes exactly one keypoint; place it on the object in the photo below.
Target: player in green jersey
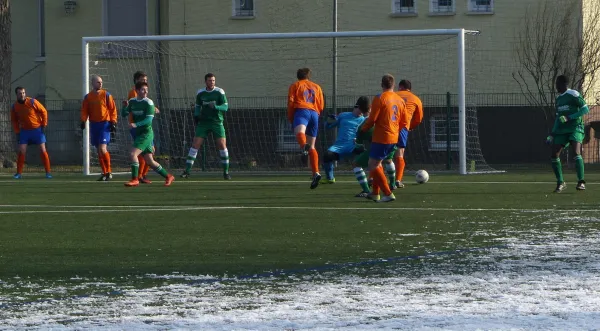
(211, 103)
(568, 130)
(142, 110)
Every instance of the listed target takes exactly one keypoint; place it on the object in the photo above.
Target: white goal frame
(461, 74)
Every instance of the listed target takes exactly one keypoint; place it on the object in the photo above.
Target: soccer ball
(422, 176)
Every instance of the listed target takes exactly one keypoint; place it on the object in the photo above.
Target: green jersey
(571, 105)
(143, 114)
(203, 109)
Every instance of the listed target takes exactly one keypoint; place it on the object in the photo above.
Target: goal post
(175, 63)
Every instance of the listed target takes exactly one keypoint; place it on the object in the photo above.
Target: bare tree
(6, 145)
(558, 38)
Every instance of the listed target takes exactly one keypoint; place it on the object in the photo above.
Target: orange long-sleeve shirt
(132, 94)
(414, 108)
(28, 115)
(388, 112)
(304, 94)
(99, 107)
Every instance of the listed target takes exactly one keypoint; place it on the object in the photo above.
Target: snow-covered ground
(546, 280)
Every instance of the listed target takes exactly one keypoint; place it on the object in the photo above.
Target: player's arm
(148, 119)
(370, 121)
(85, 111)
(290, 103)
(197, 109)
(126, 110)
(112, 109)
(583, 109)
(222, 105)
(333, 121)
(320, 100)
(14, 119)
(417, 117)
(42, 112)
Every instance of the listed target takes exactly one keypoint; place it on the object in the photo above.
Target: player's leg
(21, 155)
(201, 133)
(301, 119)
(399, 158)
(40, 140)
(99, 136)
(312, 130)
(221, 142)
(145, 168)
(556, 164)
(377, 154)
(135, 165)
(390, 169)
(331, 155)
(360, 163)
(157, 167)
(576, 148)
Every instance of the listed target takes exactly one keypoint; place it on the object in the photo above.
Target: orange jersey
(305, 94)
(28, 115)
(414, 108)
(388, 113)
(99, 107)
(132, 94)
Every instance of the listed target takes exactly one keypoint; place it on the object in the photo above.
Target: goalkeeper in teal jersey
(211, 104)
(568, 130)
(142, 110)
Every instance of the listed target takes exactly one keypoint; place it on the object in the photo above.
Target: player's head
(21, 95)
(363, 104)
(140, 76)
(387, 82)
(96, 82)
(562, 83)
(303, 73)
(210, 81)
(404, 85)
(141, 88)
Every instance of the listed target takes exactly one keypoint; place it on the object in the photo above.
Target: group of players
(376, 132)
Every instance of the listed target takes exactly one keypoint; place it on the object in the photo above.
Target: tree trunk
(6, 134)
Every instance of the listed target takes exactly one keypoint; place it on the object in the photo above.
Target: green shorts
(144, 143)
(362, 160)
(565, 138)
(203, 129)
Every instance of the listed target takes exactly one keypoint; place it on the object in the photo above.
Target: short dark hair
(303, 73)
(18, 88)
(208, 75)
(137, 75)
(139, 85)
(387, 81)
(562, 79)
(363, 103)
(405, 83)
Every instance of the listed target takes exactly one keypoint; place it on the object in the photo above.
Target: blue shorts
(402, 138)
(99, 133)
(32, 136)
(380, 151)
(343, 150)
(132, 132)
(309, 118)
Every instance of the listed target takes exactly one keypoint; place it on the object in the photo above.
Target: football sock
(314, 160)
(102, 162)
(190, 159)
(301, 139)
(161, 171)
(107, 162)
(46, 160)
(380, 180)
(328, 166)
(361, 177)
(557, 167)
(135, 169)
(224, 154)
(390, 171)
(579, 167)
(142, 163)
(399, 161)
(20, 163)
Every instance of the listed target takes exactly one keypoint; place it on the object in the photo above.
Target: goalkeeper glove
(563, 119)
(549, 140)
(332, 116)
(82, 125)
(113, 127)
(196, 120)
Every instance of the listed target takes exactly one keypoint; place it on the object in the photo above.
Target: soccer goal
(255, 71)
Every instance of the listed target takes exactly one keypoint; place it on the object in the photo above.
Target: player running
(388, 111)
(211, 104)
(142, 109)
(568, 130)
(345, 144)
(100, 108)
(29, 120)
(305, 104)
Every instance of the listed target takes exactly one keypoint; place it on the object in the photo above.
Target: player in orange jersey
(99, 107)
(388, 111)
(305, 103)
(414, 110)
(139, 76)
(29, 120)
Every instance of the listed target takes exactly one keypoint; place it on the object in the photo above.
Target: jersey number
(395, 114)
(309, 96)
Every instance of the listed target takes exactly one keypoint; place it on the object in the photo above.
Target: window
(481, 6)
(42, 29)
(125, 18)
(438, 129)
(441, 6)
(286, 140)
(243, 8)
(403, 6)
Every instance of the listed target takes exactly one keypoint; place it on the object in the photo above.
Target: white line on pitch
(191, 208)
(272, 181)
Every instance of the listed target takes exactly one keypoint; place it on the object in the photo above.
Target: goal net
(255, 70)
